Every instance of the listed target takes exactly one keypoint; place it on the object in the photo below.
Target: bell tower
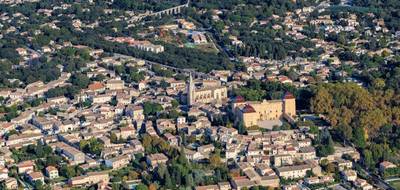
(190, 91)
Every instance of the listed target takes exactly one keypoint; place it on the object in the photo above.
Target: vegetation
(31, 152)
(92, 146)
(365, 118)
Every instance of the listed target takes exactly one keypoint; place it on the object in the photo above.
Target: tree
(215, 160)
(153, 186)
(168, 181)
(324, 143)
(93, 146)
(368, 160)
(68, 171)
(189, 180)
(359, 137)
(241, 128)
(141, 187)
(346, 132)
(150, 108)
(113, 138)
(174, 103)
(322, 101)
(80, 80)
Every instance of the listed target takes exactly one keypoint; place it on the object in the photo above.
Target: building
(251, 113)
(386, 165)
(349, 175)
(51, 172)
(363, 184)
(115, 84)
(154, 159)
(118, 162)
(74, 155)
(11, 183)
(35, 176)
(206, 94)
(294, 172)
(25, 166)
(3, 173)
(89, 179)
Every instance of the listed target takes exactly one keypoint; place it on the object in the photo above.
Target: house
(74, 155)
(386, 165)
(89, 178)
(193, 155)
(11, 183)
(101, 99)
(23, 139)
(344, 164)
(126, 132)
(136, 112)
(171, 139)
(115, 84)
(362, 184)
(154, 159)
(264, 169)
(3, 173)
(349, 175)
(207, 187)
(25, 166)
(164, 124)
(269, 181)
(118, 162)
(96, 87)
(284, 159)
(52, 172)
(180, 120)
(224, 186)
(294, 172)
(35, 176)
(206, 149)
(242, 182)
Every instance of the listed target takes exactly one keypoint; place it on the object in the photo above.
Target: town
(189, 95)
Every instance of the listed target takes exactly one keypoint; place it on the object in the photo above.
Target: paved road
(377, 181)
(187, 71)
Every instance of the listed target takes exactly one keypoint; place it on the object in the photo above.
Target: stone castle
(252, 112)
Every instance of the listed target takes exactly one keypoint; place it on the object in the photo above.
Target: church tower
(190, 91)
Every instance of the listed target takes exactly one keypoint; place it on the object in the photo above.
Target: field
(395, 184)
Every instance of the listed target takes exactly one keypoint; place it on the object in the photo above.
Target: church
(251, 113)
(209, 92)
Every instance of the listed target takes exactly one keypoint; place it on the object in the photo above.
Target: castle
(209, 92)
(252, 112)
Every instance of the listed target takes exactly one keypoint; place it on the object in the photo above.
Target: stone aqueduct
(170, 11)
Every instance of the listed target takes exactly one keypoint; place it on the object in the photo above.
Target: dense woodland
(369, 119)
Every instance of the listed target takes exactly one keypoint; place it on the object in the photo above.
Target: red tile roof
(248, 109)
(288, 95)
(239, 99)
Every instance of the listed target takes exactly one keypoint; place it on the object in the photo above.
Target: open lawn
(395, 184)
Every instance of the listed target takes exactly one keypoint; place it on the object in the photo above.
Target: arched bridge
(170, 11)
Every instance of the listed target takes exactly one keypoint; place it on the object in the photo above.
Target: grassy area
(208, 47)
(395, 184)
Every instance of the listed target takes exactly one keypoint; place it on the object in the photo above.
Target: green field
(395, 184)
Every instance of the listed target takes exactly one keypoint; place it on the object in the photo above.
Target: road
(378, 182)
(187, 71)
(176, 69)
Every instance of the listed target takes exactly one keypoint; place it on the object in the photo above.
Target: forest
(369, 119)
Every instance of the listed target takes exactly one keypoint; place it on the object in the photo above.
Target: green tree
(80, 80)
(168, 181)
(368, 160)
(359, 137)
(322, 101)
(141, 187)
